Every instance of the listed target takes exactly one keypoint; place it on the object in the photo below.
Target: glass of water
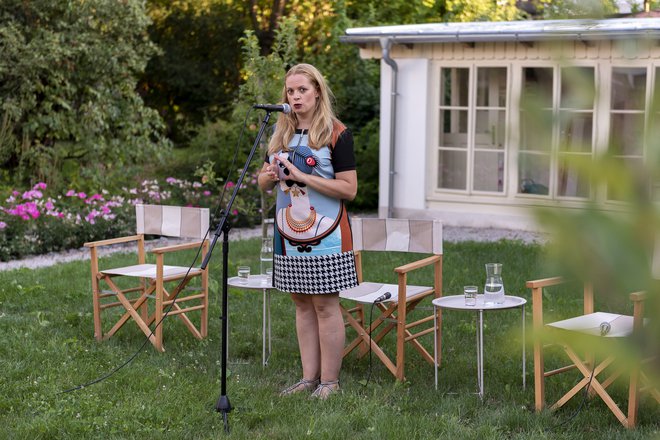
(243, 274)
(267, 278)
(470, 293)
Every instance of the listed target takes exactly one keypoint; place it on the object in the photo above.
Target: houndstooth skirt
(315, 274)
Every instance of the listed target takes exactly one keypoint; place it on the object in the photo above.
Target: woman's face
(301, 95)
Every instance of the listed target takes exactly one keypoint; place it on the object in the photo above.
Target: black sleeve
(343, 156)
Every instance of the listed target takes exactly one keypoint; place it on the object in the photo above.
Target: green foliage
(366, 156)
(558, 9)
(197, 73)
(68, 107)
(228, 141)
(43, 220)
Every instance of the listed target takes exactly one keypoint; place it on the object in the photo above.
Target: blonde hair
(323, 121)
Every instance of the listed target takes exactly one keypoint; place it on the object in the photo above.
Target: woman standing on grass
(312, 163)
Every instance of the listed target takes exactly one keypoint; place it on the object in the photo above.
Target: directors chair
(617, 337)
(154, 280)
(394, 301)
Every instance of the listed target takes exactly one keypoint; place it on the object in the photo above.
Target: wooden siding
(546, 50)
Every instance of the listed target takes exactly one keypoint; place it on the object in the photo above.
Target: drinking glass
(470, 293)
(243, 274)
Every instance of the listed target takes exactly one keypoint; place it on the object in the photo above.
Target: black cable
(584, 401)
(167, 311)
(380, 299)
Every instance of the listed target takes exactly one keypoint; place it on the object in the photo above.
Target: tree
(68, 106)
(197, 74)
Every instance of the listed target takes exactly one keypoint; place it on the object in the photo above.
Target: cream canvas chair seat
(577, 336)
(164, 284)
(394, 235)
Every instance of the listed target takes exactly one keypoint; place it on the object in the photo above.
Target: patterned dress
(313, 249)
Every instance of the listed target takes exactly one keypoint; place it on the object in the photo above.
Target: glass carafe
(266, 256)
(494, 288)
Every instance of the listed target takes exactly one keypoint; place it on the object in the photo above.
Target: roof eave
(495, 37)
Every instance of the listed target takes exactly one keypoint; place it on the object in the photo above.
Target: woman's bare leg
(332, 335)
(307, 329)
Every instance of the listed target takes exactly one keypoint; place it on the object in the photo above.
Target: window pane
(534, 173)
(628, 88)
(452, 166)
(570, 182)
(536, 130)
(537, 87)
(577, 88)
(626, 134)
(488, 171)
(454, 87)
(490, 127)
(491, 87)
(454, 128)
(575, 132)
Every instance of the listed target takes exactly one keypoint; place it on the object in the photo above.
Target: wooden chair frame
(394, 312)
(586, 366)
(152, 282)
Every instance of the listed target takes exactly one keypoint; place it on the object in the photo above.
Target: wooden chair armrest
(178, 247)
(111, 241)
(545, 282)
(417, 264)
(638, 296)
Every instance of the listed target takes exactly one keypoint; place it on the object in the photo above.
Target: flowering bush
(33, 222)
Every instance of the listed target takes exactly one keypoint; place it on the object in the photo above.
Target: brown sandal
(300, 386)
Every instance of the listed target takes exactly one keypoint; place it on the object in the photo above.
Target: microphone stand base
(223, 406)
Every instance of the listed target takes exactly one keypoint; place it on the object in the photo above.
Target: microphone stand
(222, 405)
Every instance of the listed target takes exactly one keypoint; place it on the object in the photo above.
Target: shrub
(34, 222)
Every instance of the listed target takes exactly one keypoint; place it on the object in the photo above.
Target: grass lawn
(47, 346)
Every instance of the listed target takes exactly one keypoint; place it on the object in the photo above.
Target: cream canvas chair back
(172, 221)
(401, 235)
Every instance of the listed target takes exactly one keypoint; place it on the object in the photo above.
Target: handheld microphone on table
(284, 108)
(383, 297)
(605, 328)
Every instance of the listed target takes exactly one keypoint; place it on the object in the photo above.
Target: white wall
(411, 134)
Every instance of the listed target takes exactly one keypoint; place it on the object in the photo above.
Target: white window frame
(472, 109)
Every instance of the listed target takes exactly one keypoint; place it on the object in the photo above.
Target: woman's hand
(293, 172)
(343, 186)
(269, 176)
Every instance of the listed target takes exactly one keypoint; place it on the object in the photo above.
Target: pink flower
(82, 195)
(40, 185)
(170, 180)
(234, 212)
(3, 225)
(32, 194)
(70, 193)
(230, 184)
(207, 193)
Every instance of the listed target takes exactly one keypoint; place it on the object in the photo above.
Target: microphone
(605, 328)
(383, 297)
(284, 108)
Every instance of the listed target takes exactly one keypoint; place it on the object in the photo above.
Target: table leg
(270, 339)
(435, 345)
(265, 327)
(523, 346)
(480, 353)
